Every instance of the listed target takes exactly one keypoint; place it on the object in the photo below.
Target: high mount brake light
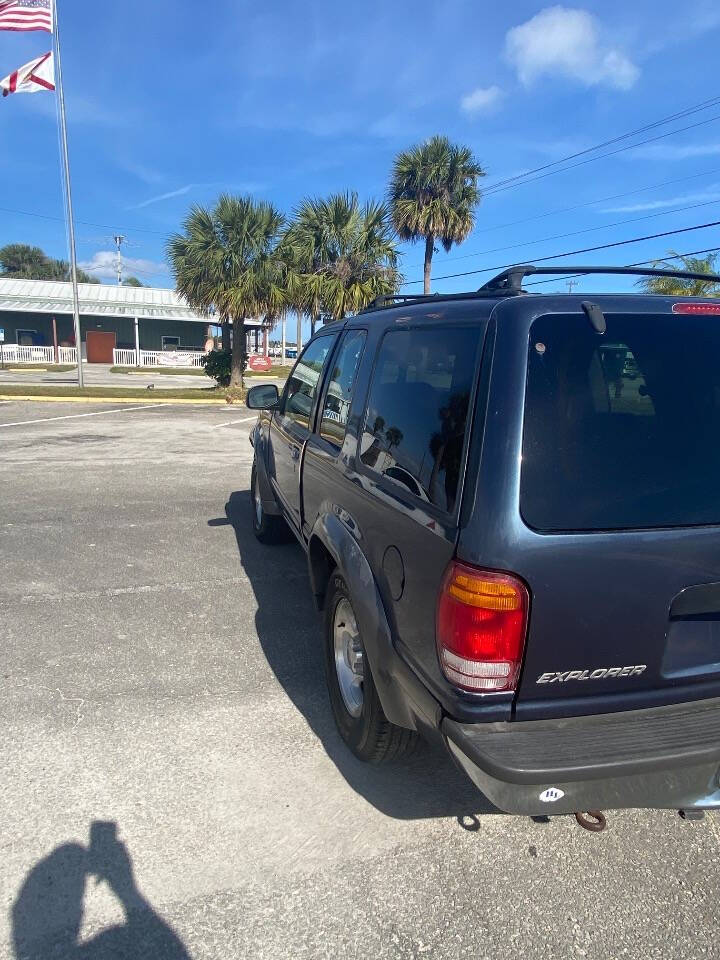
(697, 309)
(482, 620)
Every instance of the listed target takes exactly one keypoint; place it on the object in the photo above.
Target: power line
(572, 253)
(603, 226)
(696, 108)
(601, 156)
(639, 263)
(576, 206)
(86, 223)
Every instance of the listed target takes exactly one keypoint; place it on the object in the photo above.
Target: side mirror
(264, 396)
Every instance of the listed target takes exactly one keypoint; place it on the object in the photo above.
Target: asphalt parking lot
(162, 678)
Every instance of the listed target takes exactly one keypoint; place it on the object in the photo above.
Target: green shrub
(217, 365)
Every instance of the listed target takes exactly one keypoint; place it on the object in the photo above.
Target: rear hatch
(619, 494)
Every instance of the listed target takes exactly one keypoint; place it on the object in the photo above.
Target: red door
(100, 345)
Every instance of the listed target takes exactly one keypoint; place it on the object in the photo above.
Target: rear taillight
(702, 309)
(481, 625)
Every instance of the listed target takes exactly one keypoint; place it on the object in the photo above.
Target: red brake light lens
(697, 309)
(481, 625)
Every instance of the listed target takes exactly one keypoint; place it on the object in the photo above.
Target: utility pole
(119, 241)
(571, 284)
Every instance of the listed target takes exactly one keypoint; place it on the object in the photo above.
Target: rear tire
(355, 704)
(267, 528)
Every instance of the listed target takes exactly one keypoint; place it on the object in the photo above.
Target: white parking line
(231, 422)
(76, 416)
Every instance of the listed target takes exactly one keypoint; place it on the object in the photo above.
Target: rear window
(621, 430)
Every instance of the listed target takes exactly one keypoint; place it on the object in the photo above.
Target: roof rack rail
(510, 280)
(390, 300)
(398, 300)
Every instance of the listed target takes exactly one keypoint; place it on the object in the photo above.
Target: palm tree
(676, 287)
(340, 256)
(226, 259)
(433, 195)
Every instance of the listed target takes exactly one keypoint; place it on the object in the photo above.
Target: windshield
(621, 430)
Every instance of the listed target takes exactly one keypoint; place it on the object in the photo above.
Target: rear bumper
(665, 757)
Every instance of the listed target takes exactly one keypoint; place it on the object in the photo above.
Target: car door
(292, 423)
(323, 478)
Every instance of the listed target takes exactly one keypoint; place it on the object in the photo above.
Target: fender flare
(259, 441)
(385, 663)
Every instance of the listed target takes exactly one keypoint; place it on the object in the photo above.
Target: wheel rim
(349, 657)
(258, 504)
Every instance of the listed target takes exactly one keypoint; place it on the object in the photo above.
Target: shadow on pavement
(289, 630)
(48, 912)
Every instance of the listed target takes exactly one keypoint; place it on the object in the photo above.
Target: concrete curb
(154, 399)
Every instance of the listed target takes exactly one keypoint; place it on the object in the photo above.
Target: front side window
(340, 387)
(621, 429)
(303, 383)
(415, 423)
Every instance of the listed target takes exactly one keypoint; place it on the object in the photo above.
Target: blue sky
(169, 103)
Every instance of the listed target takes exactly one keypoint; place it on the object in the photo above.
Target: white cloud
(164, 196)
(481, 100)
(668, 151)
(246, 187)
(568, 42)
(103, 266)
(709, 195)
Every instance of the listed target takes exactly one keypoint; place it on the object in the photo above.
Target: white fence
(171, 358)
(67, 354)
(158, 358)
(12, 353)
(124, 358)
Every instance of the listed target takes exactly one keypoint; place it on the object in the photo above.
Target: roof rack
(397, 300)
(510, 280)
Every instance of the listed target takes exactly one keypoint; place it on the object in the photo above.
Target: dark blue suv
(510, 505)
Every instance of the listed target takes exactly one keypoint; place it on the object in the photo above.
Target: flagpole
(68, 195)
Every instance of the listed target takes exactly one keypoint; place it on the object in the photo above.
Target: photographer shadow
(289, 630)
(47, 915)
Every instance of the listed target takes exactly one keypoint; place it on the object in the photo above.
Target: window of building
(414, 431)
(340, 388)
(26, 338)
(170, 343)
(302, 386)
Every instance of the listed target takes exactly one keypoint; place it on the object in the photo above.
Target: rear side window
(340, 387)
(417, 410)
(621, 429)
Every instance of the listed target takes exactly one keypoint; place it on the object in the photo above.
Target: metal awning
(99, 299)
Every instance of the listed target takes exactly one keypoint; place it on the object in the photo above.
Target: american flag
(26, 15)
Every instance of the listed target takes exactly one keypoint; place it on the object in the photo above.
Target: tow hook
(592, 820)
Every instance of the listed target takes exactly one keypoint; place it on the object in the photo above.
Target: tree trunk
(299, 332)
(429, 246)
(225, 326)
(238, 352)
